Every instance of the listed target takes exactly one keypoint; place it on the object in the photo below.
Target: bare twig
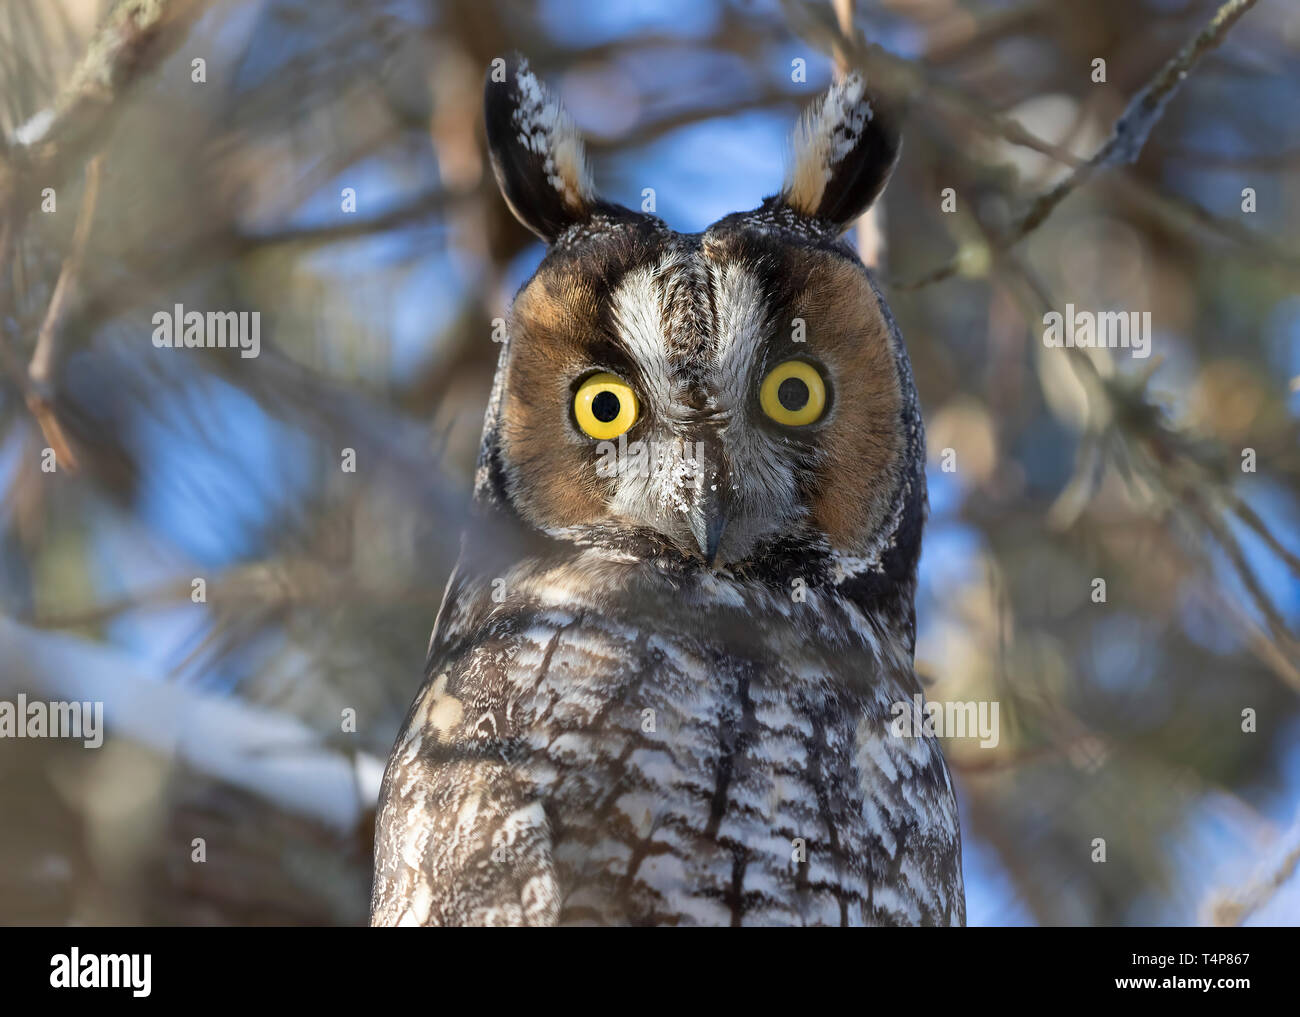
(972, 34)
(1232, 549)
(1232, 907)
(1126, 139)
(914, 81)
(1166, 456)
(767, 98)
(900, 78)
(1183, 212)
(844, 18)
(43, 367)
(412, 210)
(1257, 525)
(133, 39)
(273, 583)
(1268, 162)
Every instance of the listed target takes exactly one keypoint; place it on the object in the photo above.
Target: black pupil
(793, 394)
(605, 406)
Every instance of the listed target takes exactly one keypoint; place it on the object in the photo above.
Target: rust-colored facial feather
(861, 442)
(558, 325)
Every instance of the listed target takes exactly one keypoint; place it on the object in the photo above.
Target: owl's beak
(710, 515)
(709, 536)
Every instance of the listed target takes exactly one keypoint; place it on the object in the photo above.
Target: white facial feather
(763, 483)
(647, 305)
(638, 309)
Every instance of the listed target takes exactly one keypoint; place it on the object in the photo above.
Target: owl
(664, 682)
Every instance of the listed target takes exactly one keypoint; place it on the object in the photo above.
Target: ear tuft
(537, 154)
(844, 151)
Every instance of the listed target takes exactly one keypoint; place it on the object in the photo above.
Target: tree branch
(1232, 907)
(42, 369)
(134, 38)
(1126, 139)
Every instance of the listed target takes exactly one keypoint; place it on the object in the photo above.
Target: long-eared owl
(661, 685)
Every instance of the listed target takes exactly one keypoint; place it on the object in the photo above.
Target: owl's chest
(718, 772)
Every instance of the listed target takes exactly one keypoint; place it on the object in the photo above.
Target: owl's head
(735, 399)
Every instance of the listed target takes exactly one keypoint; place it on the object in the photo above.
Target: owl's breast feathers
(707, 754)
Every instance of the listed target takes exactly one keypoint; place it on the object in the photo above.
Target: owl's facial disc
(711, 395)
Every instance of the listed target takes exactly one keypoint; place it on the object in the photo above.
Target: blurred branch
(901, 78)
(1264, 648)
(1232, 907)
(1175, 466)
(1132, 428)
(844, 20)
(43, 368)
(915, 81)
(1180, 211)
(1215, 525)
(1268, 162)
(412, 210)
(985, 28)
(1126, 140)
(47, 339)
(643, 133)
(134, 38)
(296, 581)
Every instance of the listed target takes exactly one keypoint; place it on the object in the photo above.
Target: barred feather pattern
(568, 763)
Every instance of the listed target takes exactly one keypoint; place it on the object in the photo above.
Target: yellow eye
(793, 394)
(605, 406)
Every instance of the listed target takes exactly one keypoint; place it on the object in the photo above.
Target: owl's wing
(460, 839)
